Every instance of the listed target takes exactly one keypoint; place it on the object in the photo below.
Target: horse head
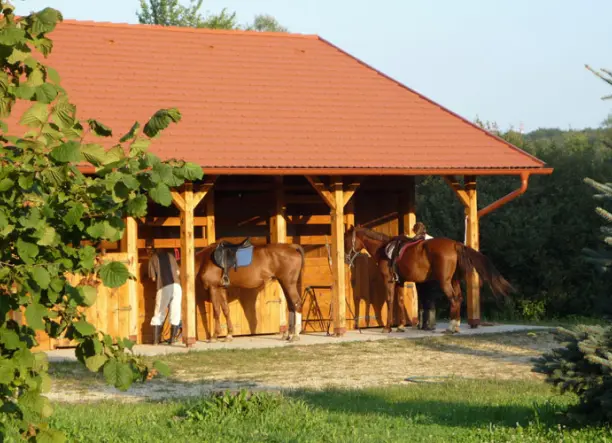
(352, 245)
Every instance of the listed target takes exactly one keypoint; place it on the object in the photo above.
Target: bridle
(350, 256)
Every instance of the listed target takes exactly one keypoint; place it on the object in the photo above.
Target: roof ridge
(495, 137)
(186, 29)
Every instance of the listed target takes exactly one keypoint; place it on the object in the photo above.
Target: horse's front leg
(214, 298)
(226, 314)
(390, 303)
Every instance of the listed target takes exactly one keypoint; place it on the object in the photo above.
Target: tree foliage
(583, 366)
(174, 13)
(52, 217)
(602, 258)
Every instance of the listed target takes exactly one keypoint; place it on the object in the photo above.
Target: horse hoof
(294, 338)
(228, 338)
(212, 340)
(386, 331)
(450, 332)
(400, 329)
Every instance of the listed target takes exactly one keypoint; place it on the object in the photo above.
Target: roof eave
(363, 171)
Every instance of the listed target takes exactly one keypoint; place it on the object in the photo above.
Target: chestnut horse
(441, 259)
(283, 262)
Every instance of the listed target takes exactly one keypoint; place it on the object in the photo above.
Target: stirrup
(225, 281)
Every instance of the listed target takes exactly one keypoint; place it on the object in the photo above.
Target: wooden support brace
(352, 188)
(321, 189)
(178, 200)
(459, 191)
(203, 191)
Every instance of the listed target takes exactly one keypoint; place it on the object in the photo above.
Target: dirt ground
(347, 365)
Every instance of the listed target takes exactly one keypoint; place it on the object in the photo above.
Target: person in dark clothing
(426, 291)
(164, 270)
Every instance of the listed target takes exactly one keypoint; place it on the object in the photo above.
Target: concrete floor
(312, 338)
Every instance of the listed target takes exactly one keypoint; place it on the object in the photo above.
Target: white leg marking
(298, 323)
(454, 325)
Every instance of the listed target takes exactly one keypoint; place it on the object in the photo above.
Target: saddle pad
(389, 249)
(244, 256)
(405, 246)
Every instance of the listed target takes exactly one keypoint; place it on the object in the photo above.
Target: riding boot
(173, 334)
(156, 331)
(421, 318)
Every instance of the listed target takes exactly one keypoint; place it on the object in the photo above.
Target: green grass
(456, 410)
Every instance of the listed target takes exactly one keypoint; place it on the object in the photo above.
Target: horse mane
(373, 234)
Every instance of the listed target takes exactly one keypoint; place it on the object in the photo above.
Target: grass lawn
(455, 410)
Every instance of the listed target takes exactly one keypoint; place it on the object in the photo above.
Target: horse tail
(300, 249)
(469, 259)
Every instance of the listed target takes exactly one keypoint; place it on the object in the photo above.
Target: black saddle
(232, 255)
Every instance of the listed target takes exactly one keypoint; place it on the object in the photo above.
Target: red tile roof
(253, 101)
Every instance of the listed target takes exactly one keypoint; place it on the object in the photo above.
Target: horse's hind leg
(452, 289)
(402, 313)
(294, 303)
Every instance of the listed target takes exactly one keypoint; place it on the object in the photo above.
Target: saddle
(232, 255)
(394, 250)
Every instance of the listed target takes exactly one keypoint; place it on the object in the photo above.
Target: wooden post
(131, 247)
(211, 235)
(407, 221)
(408, 212)
(336, 198)
(338, 271)
(278, 234)
(186, 205)
(472, 240)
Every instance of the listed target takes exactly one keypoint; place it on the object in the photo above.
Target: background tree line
(175, 13)
(537, 240)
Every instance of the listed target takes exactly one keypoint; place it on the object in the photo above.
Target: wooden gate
(109, 314)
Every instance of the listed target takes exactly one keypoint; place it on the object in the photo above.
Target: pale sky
(510, 61)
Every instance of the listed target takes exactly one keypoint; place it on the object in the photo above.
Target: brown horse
(441, 259)
(283, 262)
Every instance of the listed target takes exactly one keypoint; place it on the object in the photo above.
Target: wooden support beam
(321, 189)
(170, 243)
(472, 240)
(407, 209)
(338, 266)
(352, 188)
(170, 221)
(178, 200)
(211, 235)
(278, 234)
(188, 267)
(459, 191)
(131, 236)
